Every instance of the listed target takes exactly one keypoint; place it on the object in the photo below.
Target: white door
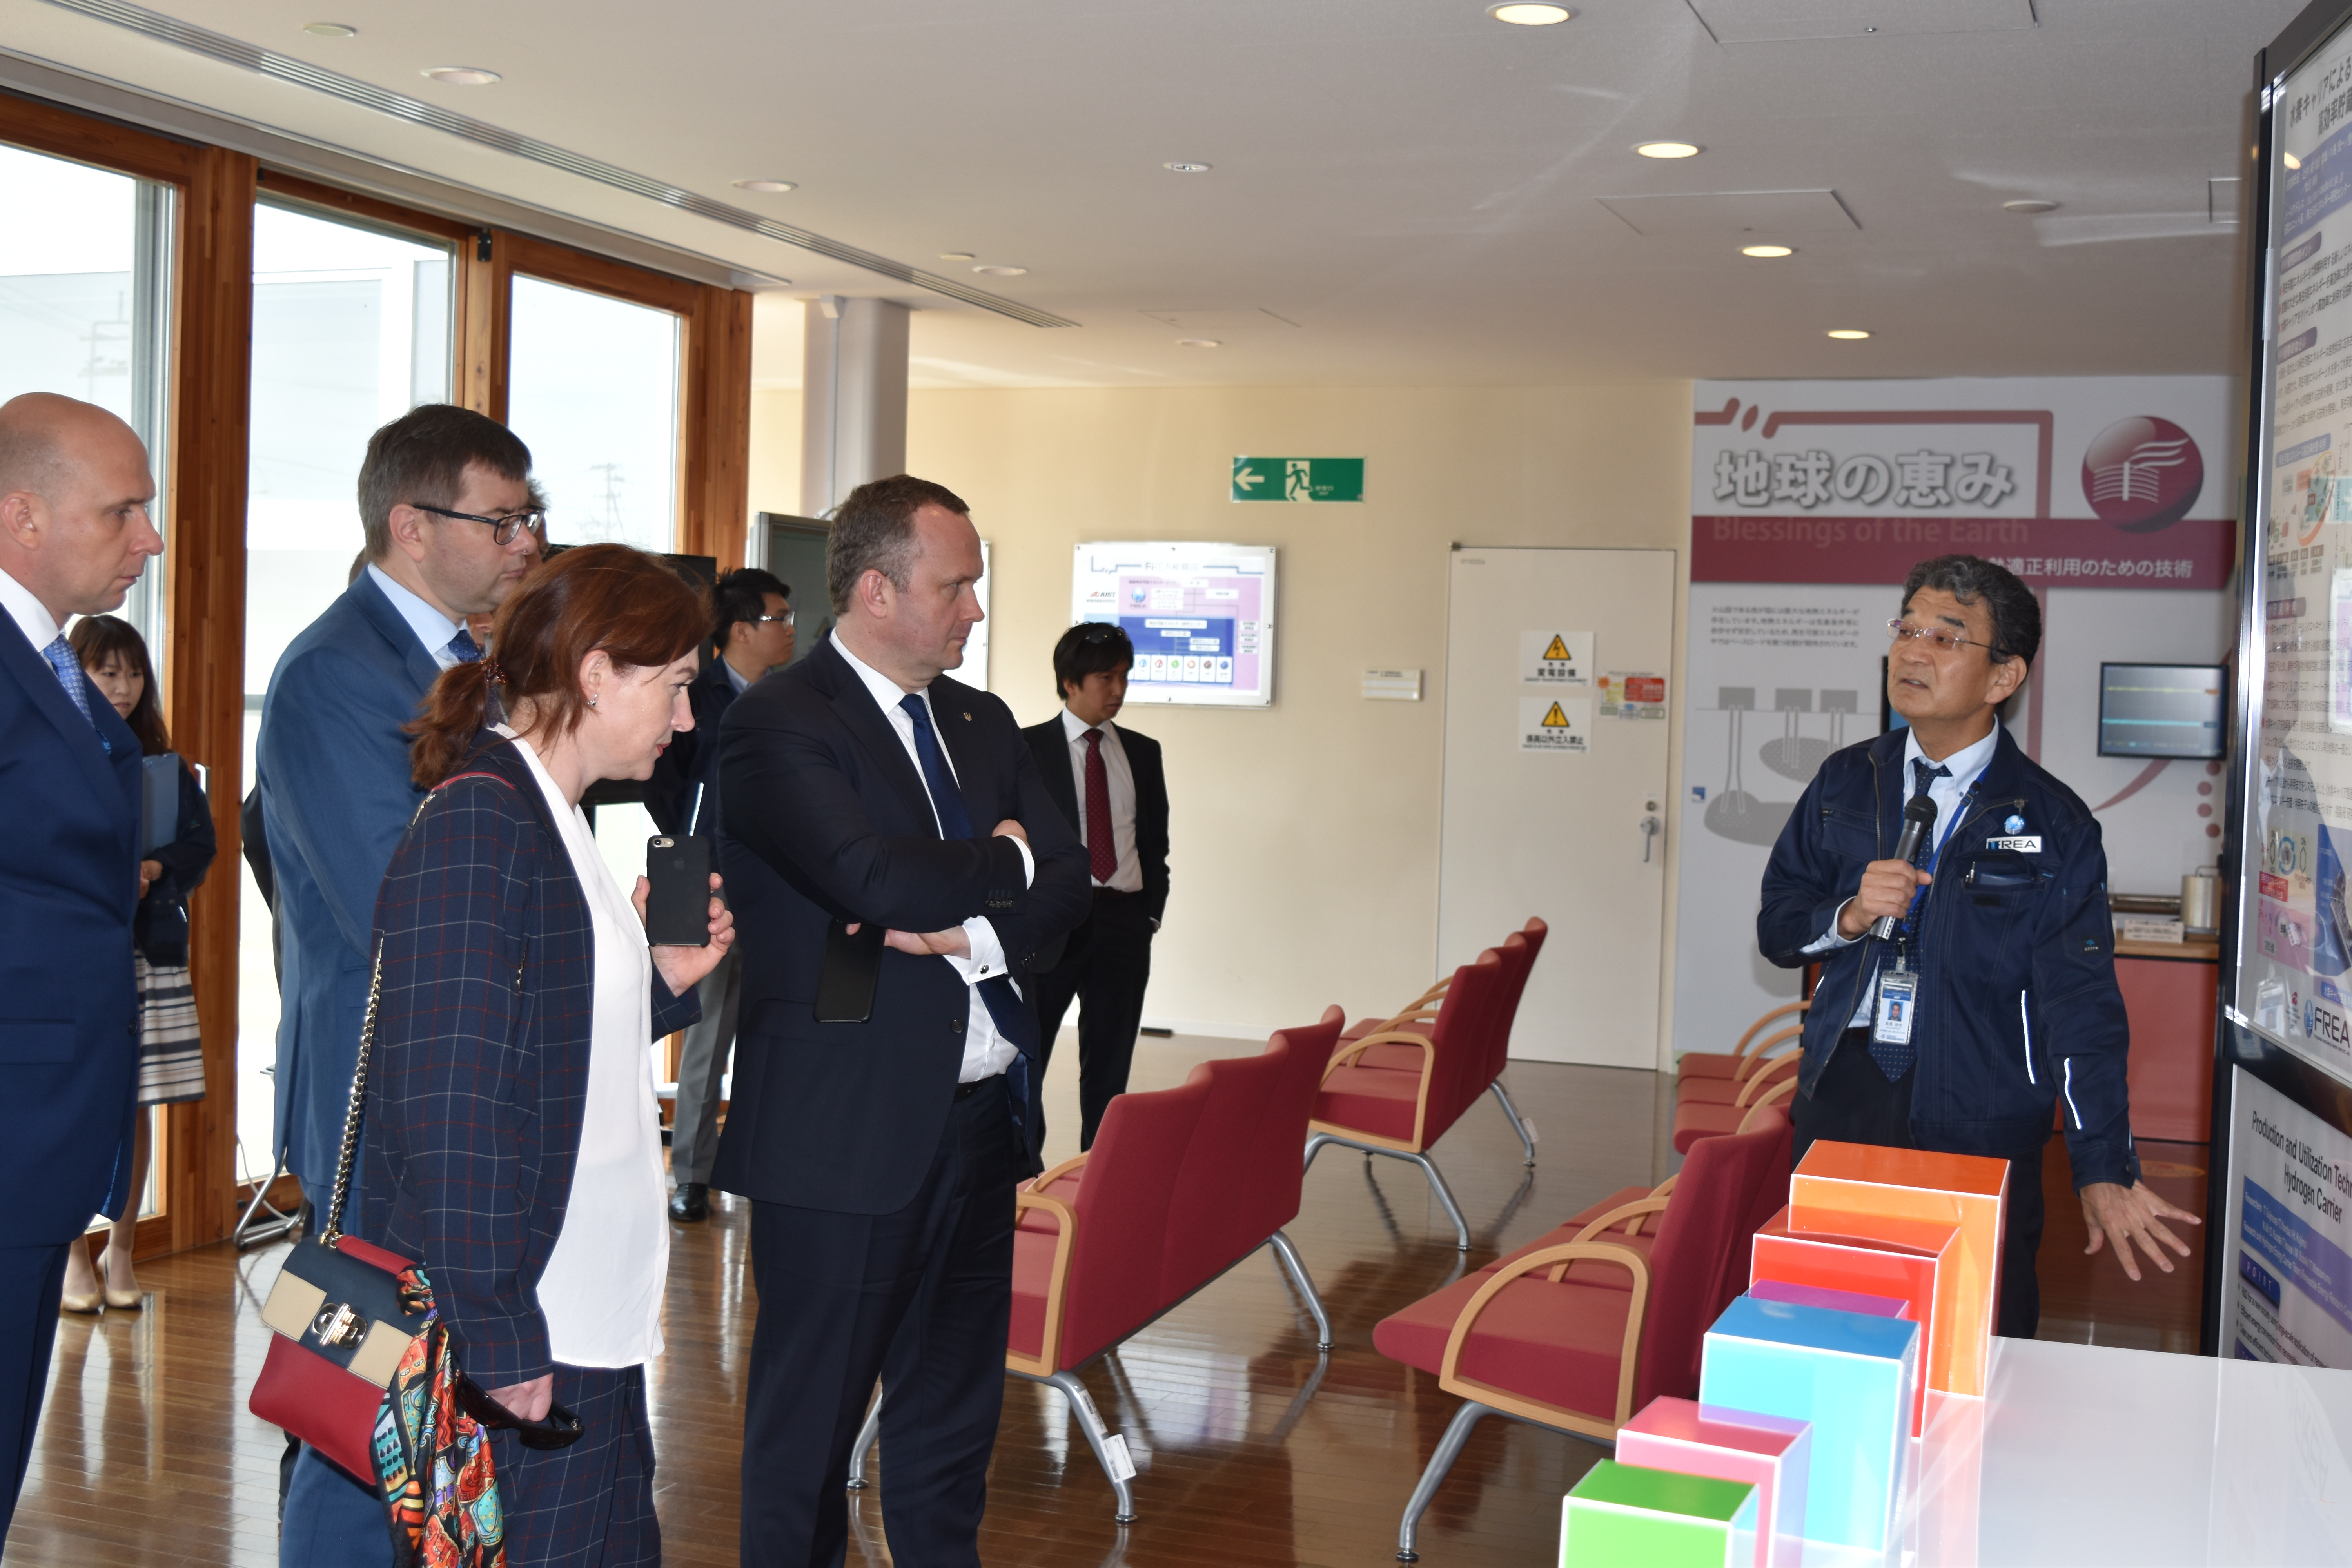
(1556, 667)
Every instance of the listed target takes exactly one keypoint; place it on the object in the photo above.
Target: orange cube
(1899, 1258)
(1841, 1186)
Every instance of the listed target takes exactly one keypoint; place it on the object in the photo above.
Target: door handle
(1650, 829)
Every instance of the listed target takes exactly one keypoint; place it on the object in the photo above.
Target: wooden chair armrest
(1040, 1182)
(1449, 1377)
(1384, 1037)
(1049, 1342)
(1777, 1092)
(1635, 1211)
(1756, 1058)
(1758, 1026)
(1663, 1188)
(1782, 1067)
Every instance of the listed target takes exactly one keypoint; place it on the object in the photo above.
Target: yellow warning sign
(1557, 650)
(1555, 719)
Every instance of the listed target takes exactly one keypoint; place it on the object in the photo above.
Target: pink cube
(1731, 1446)
(1835, 1300)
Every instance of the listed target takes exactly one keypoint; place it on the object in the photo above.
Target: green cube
(1622, 1514)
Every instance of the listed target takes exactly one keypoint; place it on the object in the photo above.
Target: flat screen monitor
(2162, 710)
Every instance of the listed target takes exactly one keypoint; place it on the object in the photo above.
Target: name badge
(1898, 996)
(2027, 844)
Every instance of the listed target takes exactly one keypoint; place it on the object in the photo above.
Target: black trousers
(921, 1298)
(31, 1278)
(1104, 968)
(1853, 1103)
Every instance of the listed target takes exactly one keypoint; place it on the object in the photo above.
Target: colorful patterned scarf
(424, 1442)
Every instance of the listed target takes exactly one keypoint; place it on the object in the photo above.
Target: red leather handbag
(339, 1324)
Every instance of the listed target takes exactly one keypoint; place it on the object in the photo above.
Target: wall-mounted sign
(1298, 479)
(1556, 658)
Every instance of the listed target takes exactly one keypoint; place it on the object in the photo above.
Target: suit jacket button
(955, 1025)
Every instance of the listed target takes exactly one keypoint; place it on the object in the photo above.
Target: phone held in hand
(678, 907)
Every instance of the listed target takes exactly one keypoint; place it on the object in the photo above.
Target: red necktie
(1102, 854)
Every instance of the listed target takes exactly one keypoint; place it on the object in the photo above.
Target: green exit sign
(1298, 479)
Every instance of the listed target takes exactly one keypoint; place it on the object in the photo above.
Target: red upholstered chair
(1520, 951)
(1741, 1059)
(1696, 1123)
(1539, 1336)
(1728, 1091)
(1401, 1110)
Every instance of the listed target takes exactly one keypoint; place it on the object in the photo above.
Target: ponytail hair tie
(492, 673)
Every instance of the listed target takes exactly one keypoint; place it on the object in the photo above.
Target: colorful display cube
(1899, 1258)
(1964, 1189)
(1853, 1377)
(1731, 1446)
(1832, 1300)
(1620, 1514)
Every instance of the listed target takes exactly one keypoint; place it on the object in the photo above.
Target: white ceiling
(1403, 191)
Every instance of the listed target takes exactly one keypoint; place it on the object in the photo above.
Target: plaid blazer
(481, 1071)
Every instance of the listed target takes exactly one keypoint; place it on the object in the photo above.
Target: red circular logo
(2143, 474)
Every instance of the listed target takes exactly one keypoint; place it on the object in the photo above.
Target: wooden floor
(1252, 1450)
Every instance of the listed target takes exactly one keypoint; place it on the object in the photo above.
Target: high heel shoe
(125, 1301)
(88, 1304)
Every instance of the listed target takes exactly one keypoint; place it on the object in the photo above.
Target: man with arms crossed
(1995, 999)
(862, 787)
(752, 629)
(1108, 782)
(74, 536)
(453, 524)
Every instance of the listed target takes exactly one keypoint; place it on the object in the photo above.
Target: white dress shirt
(986, 1052)
(1948, 793)
(433, 630)
(1128, 875)
(32, 616)
(601, 1293)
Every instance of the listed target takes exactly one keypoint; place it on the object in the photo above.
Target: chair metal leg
(251, 1231)
(1313, 1144)
(1449, 1449)
(1446, 1197)
(1110, 1451)
(1526, 1140)
(865, 1442)
(1286, 1255)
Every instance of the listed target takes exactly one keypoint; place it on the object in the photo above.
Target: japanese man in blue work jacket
(1995, 998)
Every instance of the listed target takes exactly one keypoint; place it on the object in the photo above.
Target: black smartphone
(678, 909)
(852, 964)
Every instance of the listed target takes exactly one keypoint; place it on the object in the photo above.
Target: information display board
(1201, 617)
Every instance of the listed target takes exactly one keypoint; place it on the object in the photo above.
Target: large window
(594, 392)
(84, 281)
(352, 327)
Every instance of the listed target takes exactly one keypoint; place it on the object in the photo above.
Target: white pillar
(853, 398)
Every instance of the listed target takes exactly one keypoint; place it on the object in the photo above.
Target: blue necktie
(1014, 1020)
(463, 644)
(60, 654)
(1894, 1059)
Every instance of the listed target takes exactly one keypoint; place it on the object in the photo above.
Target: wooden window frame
(209, 377)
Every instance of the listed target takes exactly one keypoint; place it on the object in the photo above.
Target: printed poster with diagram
(1555, 724)
(1556, 658)
(1200, 618)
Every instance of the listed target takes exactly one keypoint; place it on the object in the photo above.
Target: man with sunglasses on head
(1991, 998)
(452, 525)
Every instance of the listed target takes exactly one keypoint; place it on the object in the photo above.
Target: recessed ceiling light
(767, 186)
(955, 256)
(994, 271)
(1200, 343)
(1668, 150)
(461, 76)
(1848, 335)
(2292, 161)
(1521, 14)
(1767, 250)
(1182, 166)
(329, 30)
(2028, 206)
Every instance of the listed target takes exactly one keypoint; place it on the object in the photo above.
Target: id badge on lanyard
(1898, 997)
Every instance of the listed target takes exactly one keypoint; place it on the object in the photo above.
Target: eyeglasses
(1940, 640)
(502, 529)
(784, 620)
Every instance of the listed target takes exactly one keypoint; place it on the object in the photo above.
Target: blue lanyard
(1936, 864)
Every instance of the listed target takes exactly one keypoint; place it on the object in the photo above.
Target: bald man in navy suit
(74, 536)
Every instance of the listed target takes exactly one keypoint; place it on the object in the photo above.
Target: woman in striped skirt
(171, 1053)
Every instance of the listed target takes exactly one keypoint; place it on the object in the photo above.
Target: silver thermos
(2201, 902)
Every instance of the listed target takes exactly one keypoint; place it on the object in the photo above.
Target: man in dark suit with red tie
(74, 536)
(1108, 781)
(885, 1096)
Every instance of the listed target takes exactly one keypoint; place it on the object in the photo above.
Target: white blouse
(601, 1293)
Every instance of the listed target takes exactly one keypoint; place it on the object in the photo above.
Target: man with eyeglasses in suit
(1108, 782)
(751, 629)
(452, 525)
(1993, 1000)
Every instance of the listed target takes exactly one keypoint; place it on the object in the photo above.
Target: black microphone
(1919, 821)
